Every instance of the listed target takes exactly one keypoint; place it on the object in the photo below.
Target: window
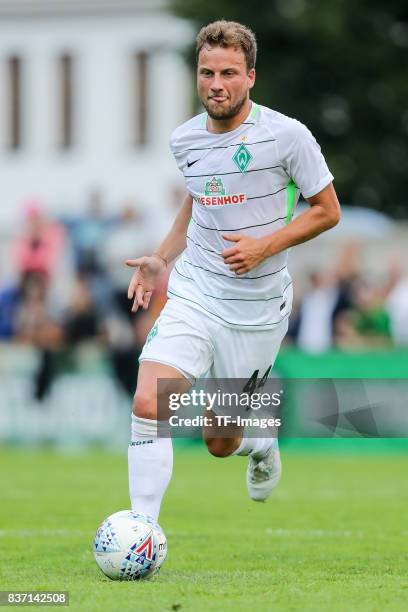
(65, 136)
(140, 105)
(14, 139)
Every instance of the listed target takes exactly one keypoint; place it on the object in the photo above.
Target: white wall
(103, 155)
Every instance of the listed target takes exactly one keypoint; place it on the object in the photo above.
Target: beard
(223, 111)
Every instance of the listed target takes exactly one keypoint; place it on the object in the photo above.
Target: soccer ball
(129, 546)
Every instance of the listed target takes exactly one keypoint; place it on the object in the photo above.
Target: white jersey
(245, 181)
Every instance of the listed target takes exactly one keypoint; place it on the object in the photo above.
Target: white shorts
(198, 346)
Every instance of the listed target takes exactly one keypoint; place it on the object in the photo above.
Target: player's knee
(219, 447)
(144, 404)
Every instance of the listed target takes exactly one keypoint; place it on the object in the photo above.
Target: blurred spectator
(54, 310)
(367, 323)
(328, 295)
(316, 313)
(34, 325)
(88, 233)
(371, 319)
(82, 320)
(343, 307)
(123, 349)
(32, 322)
(9, 299)
(132, 236)
(40, 245)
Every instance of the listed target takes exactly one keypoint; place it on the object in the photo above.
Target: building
(91, 92)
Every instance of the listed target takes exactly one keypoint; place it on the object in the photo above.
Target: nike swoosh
(192, 163)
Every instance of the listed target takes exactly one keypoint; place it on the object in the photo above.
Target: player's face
(223, 81)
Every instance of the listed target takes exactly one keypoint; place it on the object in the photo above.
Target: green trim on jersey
(255, 110)
(204, 120)
(290, 200)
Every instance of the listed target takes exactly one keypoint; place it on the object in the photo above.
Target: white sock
(150, 461)
(256, 447)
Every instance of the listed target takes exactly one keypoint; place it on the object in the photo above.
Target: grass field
(333, 537)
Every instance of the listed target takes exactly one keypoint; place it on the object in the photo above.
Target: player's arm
(175, 242)
(151, 267)
(323, 214)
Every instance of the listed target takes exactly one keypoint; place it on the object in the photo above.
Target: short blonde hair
(229, 34)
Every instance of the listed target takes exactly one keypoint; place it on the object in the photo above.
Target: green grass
(333, 537)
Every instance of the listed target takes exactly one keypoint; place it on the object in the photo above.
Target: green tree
(341, 67)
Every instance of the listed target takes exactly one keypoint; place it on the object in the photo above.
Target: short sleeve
(303, 160)
(179, 158)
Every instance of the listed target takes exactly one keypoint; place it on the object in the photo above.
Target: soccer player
(230, 292)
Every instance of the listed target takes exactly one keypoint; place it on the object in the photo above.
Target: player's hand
(246, 254)
(144, 280)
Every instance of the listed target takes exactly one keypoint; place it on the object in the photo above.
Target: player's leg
(150, 454)
(221, 441)
(177, 351)
(226, 440)
(241, 354)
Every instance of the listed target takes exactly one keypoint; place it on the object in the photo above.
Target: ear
(251, 78)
